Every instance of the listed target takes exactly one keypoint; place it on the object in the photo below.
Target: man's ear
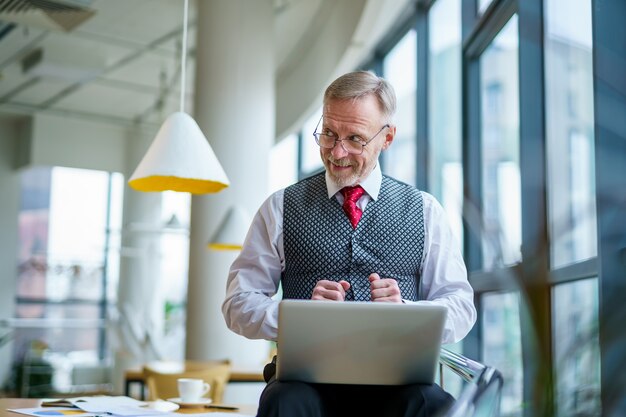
(391, 133)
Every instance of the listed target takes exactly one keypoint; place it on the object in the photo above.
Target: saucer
(200, 403)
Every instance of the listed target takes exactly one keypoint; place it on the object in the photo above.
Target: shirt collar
(371, 184)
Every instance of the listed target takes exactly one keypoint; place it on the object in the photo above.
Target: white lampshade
(232, 231)
(180, 159)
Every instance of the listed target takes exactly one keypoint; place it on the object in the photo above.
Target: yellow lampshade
(179, 159)
(232, 231)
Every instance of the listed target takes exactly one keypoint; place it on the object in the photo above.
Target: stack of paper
(92, 406)
(108, 406)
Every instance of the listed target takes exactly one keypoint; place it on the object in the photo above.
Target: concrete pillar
(234, 105)
(140, 309)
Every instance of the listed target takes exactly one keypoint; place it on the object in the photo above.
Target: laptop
(358, 342)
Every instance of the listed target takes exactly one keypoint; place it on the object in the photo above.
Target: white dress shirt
(251, 308)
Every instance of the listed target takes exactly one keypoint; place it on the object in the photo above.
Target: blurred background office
(512, 113)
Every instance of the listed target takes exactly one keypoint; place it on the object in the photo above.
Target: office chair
(162, 383)
(481, 395)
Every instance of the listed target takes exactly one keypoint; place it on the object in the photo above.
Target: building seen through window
(500, 149)
(68, 265)
(399, 69)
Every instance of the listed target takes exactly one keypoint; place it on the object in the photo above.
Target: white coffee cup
(191, 389)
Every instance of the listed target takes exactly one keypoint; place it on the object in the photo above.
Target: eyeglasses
(353, 144)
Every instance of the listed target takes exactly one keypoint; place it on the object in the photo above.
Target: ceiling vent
(74, 64)
(46, 14)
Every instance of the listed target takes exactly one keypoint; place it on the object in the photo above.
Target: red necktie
(350, 196)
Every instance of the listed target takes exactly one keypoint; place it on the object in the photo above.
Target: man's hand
(330, 290)
(384, 289)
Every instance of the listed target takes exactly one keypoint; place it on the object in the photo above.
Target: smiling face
(361, 117)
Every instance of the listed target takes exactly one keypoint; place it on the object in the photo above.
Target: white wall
(9, 203)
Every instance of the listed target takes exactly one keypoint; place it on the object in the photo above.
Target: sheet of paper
(106, 404)
(220, 414)
(134, 411)
(52, 412)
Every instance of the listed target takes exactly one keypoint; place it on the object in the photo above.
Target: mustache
(339, 162)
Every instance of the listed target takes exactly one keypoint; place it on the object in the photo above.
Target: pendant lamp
(232, 231)
(180, 157)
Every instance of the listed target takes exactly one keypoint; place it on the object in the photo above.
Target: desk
(33, 402)
(135, 376)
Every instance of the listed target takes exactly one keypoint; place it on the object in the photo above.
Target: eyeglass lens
(328, 141)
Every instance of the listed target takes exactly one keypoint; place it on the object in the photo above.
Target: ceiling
(118, 60)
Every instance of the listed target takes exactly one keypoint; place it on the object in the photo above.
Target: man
(325, 239)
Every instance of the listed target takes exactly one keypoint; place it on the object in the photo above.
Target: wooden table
(135, 376)
(6, 403)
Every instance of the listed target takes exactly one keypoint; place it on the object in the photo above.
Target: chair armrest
(481, 396)
(461, 365)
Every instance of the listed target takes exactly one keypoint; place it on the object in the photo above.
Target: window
(68, 259)
(502, 346)
(311, 160)
(569, 131)
(173, 243)
(399, 68)
(445, 178)
(576, 348)
(500, 150)
(283, 166)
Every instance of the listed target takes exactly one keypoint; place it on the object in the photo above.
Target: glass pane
(400, 69)
(482, 5)
(311, 160)
(569, 131)
(445, 176)
(502, 346)
(33, 232)
(174, 267)
(63, 233)
(115, 238)
(76, 242)
(59, 334)
(283, 166)
(68, 227)
(576, 348)
(500, 149)
(54, 339)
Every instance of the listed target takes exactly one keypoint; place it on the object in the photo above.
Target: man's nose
(338, 151)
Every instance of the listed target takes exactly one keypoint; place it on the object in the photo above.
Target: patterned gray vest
(320, 243)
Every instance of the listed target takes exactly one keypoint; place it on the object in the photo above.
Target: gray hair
(358, 84)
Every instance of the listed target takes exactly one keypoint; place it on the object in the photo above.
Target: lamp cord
(183, 64)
